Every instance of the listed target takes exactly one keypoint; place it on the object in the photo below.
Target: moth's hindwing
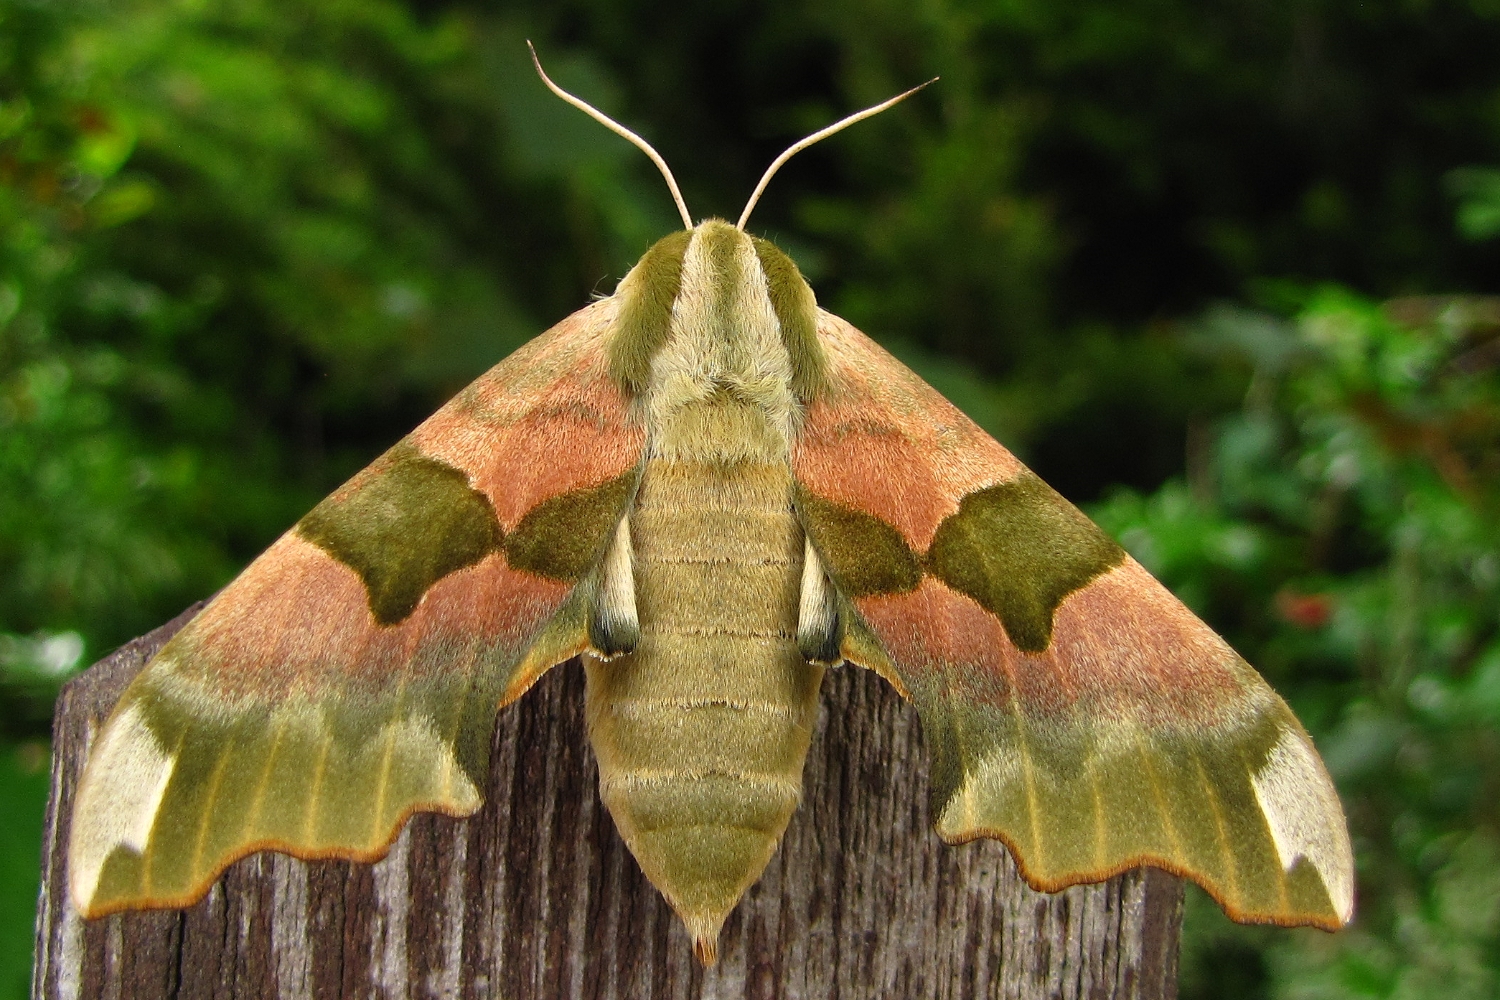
(350, 676)
(1073, 707)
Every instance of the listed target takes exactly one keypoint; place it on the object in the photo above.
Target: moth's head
(718, 274)
(721, 258)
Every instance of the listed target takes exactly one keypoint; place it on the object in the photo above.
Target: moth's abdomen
(701, 733)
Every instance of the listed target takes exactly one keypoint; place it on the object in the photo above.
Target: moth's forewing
(350, 676)
(1074, 708)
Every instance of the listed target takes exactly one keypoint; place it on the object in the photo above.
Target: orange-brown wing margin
(1073, 707)
(350, 675)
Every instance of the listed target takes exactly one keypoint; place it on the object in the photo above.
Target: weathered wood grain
(536, 896)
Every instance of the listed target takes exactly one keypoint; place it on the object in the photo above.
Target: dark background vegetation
(1216, 268)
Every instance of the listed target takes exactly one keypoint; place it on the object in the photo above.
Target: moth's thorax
(716, 342)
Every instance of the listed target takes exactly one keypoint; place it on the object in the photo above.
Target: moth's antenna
(618, 129)
(798, 147)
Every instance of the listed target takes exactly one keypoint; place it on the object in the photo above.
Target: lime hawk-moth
(709, 490)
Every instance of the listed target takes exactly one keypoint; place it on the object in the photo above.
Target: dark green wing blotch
(563, 536)
(1018, 549)
(863, 554)
(407, 524)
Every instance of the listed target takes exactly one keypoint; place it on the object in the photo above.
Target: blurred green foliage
(23, 795)
(246, 244)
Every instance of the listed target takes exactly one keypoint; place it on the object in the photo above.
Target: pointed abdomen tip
(706, 947)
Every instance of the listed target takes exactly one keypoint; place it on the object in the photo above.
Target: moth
(709, 490)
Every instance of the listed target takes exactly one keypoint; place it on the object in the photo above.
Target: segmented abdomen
(702, 732)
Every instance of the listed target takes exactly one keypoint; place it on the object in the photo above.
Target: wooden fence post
(535, 896)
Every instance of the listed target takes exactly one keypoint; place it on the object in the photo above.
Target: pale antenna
(818, 136)
(618, 129)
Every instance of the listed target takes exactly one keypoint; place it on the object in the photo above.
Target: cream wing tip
(1306, 821)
